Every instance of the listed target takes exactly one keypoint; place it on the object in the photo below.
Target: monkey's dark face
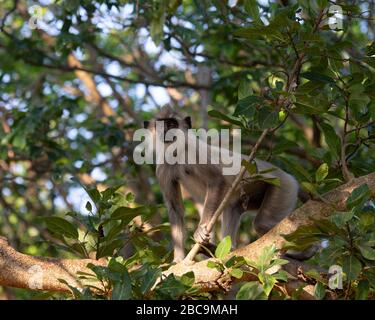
(168, 124)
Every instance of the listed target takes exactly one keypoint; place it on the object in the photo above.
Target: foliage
(104, 233)
(78, 77)
(266, 270)
(268, 273)
(348, 239)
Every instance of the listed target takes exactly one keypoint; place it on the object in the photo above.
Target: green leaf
(281, 275)
(188, 278)
(244, 89)
(322, 172)
(362, 290)
(370, 276)
(114, 231)
(369, 239)
(107, 248)
(367, 252)
(268, 282)
(109, 192)
(277, 262)
(94, 195)
(223, 248)
(71, 5)
(236, 273)
(358, 195)
(297, 169)
(173, 5)
(116, 266)
(251, 291)
(122, 290)
(127, 214)
(214, 265)
(322, 3)
(171, 288)
(246, 106)
(253, 33)
(149, 279)
(309, 187)
(341, 218)
(88, 206)
(267, 118)
(310, 87)
(272, 181)
(250, 167)
(19, 141)
(130, 197)
(317, 77)
(230, 262)
(315, 104)
(251, 7)
(332, 139)
(370, 49)
(265, 258)
(79, 248)
(319, 291)
(352, 267)
(61, 226)
(221, 116)
(157, 23)
(76, 293)
(367, 220)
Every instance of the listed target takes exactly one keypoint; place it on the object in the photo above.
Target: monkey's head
(171, 119)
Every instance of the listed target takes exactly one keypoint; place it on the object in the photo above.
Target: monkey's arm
(173, 201)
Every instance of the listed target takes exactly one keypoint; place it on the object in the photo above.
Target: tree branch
(39, 273)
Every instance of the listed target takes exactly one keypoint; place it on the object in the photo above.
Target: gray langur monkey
(207, 185)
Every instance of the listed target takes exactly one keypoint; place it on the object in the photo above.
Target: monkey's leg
(230, 222)
(200, 208)
(278, 202)
(173, 200)
(212, 200)
(178, 235)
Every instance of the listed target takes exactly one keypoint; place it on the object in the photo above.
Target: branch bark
(38, 273)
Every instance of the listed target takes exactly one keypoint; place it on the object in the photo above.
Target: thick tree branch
(39, 273)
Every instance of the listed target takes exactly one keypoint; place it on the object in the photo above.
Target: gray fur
(207, 185)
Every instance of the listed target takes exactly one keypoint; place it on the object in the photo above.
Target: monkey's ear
(146, 124)
(188, 121)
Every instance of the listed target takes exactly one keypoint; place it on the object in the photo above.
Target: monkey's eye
(171, 123)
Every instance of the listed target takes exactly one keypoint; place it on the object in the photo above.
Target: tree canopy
(77, 78)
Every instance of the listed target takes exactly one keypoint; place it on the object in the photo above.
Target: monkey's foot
(206, 248)
(201, 235)
(178, 258)
(187, 262)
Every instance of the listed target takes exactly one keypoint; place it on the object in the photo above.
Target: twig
(344, 167)
(15, 3)
(193, 252)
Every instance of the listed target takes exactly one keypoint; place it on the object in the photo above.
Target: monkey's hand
(201, 235)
